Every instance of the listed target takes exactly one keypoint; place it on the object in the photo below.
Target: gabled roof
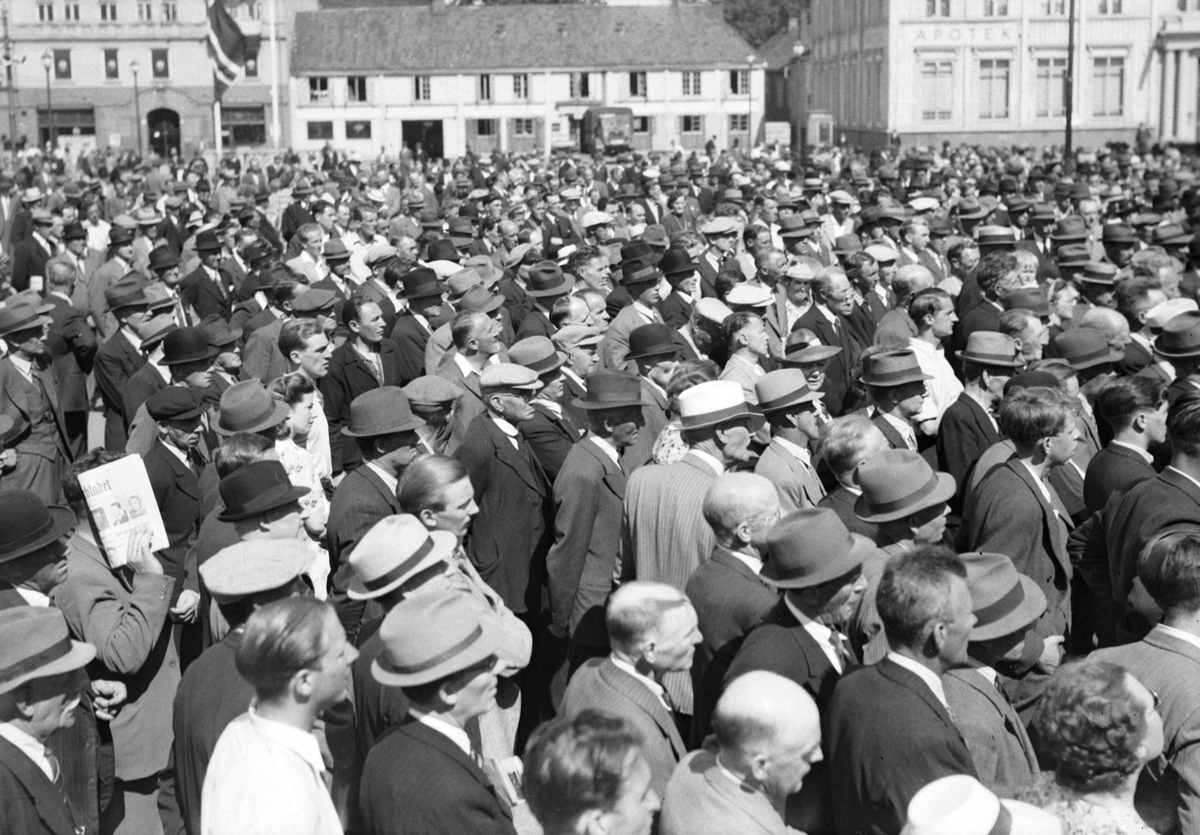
(405, 40)
(778, 52)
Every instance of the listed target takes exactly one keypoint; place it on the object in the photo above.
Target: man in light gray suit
(791, 409)
(1167, 662)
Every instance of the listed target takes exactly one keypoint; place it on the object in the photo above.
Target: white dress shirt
(931, 679)
(820, 633)
(28, 745)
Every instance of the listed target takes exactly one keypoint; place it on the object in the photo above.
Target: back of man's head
(635, 611)
(761, 712)
(915, 589)
(1029, 414)
(1183, 425)
(1169, 567)
(280, 640)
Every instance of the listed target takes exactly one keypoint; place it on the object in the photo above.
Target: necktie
(55, 770)
(839, 648)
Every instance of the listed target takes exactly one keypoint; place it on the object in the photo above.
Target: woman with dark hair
(1097, 727)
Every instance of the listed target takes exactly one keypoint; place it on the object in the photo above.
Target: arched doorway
(164, 130)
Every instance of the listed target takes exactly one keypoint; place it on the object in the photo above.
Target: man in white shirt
(266, 774)
(933, 313)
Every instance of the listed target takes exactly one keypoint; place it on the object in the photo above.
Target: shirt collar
(299, 742)
(1180, 634)
(988, 673)
(655, 687)
(552, 407)
(1185, 475)
(134, 339)
(1145, 456)
(932, 680)
(23, 365)
(506, 427)
(820, 633)
(716, 465)
(574, 377)
(33, 597)
(605, 445)
(456, 734)
(795, 449)
(389, 480)
(30, 746)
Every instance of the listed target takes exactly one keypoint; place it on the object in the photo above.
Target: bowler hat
(162, 258)
(247, 406)
(255, 566)
(27, 523)
(394, 550)
(35, 642)
(1032, 299)
(21, 316)
(991, 348)
(610, 390)
(256, 488)
(1180, 336)
(420, 283)
(187, 345)
(546, 278)
(897, 483)
(1084, 347)
(175, 403)
(811, 546)
(803, 346)
(381, 411)
(208, 241)
(429, 637)
(892, 368)
(714, 403)
(783, 389)
(652, 340)
(74, 232)
(677, 261)
(1004, 600)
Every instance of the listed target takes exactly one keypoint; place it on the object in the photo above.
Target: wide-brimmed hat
(256, 488)
(1004, 600)
(420, 283)
(1072, 255)
(443, 249)
(611, 390)
(641, 273)
(1098, 272)
(247, 406)
(676, 261)
(1119, 233)
(812, 546)
(961, 805)
(163, 258)
(255, 566)
(897, 483)
(35, 642)
(991, 348)
(653, 340)
(481, 299)
(537, 353)
(216, 330)
(185, 345)
(783, 389)
(394, 550)
(803, 346)
(793, 226)
(546, 278)
(1170, 234)
(1033, 299)
(27, 523)
(1084, 347)
(713, 403)
(1070, 228)
(21, 316)
(429, 637)
(892, 368)
(1180, 336)
(381, 411)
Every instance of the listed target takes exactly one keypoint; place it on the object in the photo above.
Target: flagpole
(276, 132)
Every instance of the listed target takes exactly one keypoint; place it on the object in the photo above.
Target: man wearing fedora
(164, 266)
(426, 776)
(29, 256)
(551, 433)
(641, 281)
(1006, 605)
(896, 393)
(42, 684)
(1179, 344)
(818, 566)
(876, 767)
(187, 358)
(207, 289)
(119, 357)
(426, 300)
(71, 344)
(545, 285)
(588, 496)
(727, 590)
(477, 345)
(153, 376)
(792, 411)
(338, 278)
(679, 269)
(29, 397)
(228, 361)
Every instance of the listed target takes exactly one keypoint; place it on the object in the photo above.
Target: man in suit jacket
(1167, 661)
(848, 442)
(38, 648)
(207, 288)
(998, 274)
(71, 344)
(551, 433)
(425, 775)
(730, 597)
(817, 564)
(642, 284)
(828, 319)
(876, 767)
(30, 255)
(760, 716)
(652, 629)
(1135, 408)
(654, 353)
(477, 345)
(118, 358)
(1006, 605)
(414, 326)
(791, 410)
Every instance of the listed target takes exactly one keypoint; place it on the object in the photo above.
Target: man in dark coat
(71, 343)
(423, 291)
(877, 766)
(30, 255)
(998, 275)
(551, 432)
(119, 357)
(1135, 408)
(208, 289)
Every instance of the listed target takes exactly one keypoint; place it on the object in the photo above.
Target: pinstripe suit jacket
(797, 486)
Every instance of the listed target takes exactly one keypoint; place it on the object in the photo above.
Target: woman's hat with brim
(961, 805)
(35, 642)
(396, 549)
(812, 546)
(897, 483)
(427, 638)
(255, 489)
(27, 523)
(1004, 600)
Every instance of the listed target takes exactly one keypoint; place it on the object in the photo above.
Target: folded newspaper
(122, 504)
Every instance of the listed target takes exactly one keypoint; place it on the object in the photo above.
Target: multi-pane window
(108, 12)
(995, 8)
(112, 64)
(739, 82)
(320, 130)
(318, 89)
(691, 124)
(484, 89)
(691, 83)
(937, 8)
(739, 122)
(1050, 87)
(421, 87)
(1108, 87)
(1109, 6)
(522, 127)
(937, 90)
(71, 11)
(521, 86)
(485, 127)
(45, 12)
(356, 89)
(170, 11)
(581, 87)
(145, 10)
(993, 88)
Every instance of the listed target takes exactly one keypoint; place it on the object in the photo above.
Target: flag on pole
(226, 46)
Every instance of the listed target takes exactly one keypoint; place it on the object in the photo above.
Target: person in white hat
(961, 805)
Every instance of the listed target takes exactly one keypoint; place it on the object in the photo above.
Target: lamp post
(48, 63)
(137, 102)
(749, 104)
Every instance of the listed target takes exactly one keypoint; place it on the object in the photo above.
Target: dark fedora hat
(812, 546)
(677, 261)
(187, 345)
(1004, 601)
(991, 348)
(1084, 348)
(162, 258)
(420, 283)
(247, 406)
(846, 245)
(1032, 299)
(27, 523)
(546, 278)
(642, 273)
(443, 249)
(120, 235)
(611, 390)
(381, 411)
(636, 251)
(208, 241)
(653, 340)
(892, 368)
(793, 226)
(1119, 233)
(1070, 228)
(129, 291)
(217, 331)
(74, 232)
(897, 483)
(1180, 336)
(256, 488)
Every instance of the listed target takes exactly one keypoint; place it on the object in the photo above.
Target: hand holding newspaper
(122, 505)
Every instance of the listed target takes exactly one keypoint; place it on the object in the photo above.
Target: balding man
(1110, 323)
(768, 735)
(730, 597)
(831, 317)
(652, 629)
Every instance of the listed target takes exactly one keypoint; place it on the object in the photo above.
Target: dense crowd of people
(686, 493)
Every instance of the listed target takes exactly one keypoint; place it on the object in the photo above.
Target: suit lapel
(614, 476)
(373, 478)
(982, 420)
(640, 695)
(890, 432)
(723, 556)
(905, 678)
(427, 736)
(1182, 483)
(1057, 531)
(511, 456)
(51, 807)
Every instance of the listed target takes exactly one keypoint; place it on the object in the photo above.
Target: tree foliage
(758, 20)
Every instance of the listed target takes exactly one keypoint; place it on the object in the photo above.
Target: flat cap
(594, 218)
(378, 253)
(509, 375)
(175, 403)
(255, 566)
(572, 336)
(315, 301)
(840, 196)
(431, 391)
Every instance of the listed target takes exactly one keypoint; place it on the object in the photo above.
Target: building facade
(987, 71)
(112, 64)
(519, 78)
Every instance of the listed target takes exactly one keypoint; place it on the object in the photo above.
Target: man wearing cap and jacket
(207, 289)
(119, 357)
(551, 432)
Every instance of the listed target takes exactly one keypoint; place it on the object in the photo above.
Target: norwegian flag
(226, 46)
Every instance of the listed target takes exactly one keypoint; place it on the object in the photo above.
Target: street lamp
(750, 59)
(48, 63)
(137, 104)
